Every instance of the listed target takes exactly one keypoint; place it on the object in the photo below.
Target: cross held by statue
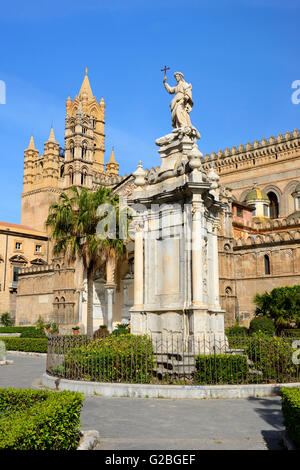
(165, 70)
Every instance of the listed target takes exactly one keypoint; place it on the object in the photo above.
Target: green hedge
(237, 331)
(26, 331)
(25, 344)
(39, 420)
(273, 357)
(292, 333)
(34, 334)
(291, 413)
(124, 358)
(221, 369)
(263, 324)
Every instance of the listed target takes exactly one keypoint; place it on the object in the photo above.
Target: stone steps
(183, 364)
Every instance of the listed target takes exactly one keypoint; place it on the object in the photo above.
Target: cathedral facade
(258, 234)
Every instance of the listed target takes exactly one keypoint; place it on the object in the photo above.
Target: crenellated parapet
(105, 179)
(36, 269)
(268, 239)
(258, 153)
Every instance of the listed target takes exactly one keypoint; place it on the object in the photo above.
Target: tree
(74, 220)
(282, 304)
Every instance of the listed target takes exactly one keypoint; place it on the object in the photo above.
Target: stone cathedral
(241, 205)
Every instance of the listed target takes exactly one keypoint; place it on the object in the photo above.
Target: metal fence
(142, 359)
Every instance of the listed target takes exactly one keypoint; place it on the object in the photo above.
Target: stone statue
(182, 102)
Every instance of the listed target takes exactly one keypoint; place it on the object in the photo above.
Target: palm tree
(74, 220)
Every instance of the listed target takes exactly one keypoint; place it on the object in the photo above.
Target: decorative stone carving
(139, 175)
(194, 158)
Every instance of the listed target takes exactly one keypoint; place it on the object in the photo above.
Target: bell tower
(40, 182)
(79, 150)
(96, 113)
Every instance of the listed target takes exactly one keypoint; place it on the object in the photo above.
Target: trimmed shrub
(39, 420)
(291, 413)
(122, 329)
(101, 333)
(26, 331)
(237, 336)
(221, 368)
(263, 324)
(273, 357)
(33, 334)
(124, 358)
(26, 344)
(237, 330)
(12, 400)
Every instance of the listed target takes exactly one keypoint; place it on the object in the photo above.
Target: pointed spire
(85, 89)
(31, 144)
(68, 104)
(51, 136)
(112, 157)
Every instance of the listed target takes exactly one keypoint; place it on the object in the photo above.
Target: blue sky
(241, 57)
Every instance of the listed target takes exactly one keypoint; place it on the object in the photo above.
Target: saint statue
(182, 102)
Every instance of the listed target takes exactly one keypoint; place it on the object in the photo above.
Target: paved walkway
(136, 423)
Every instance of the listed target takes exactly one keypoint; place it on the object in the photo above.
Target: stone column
(197, 241)
(110, 294)
(138, 269)
(213, 267)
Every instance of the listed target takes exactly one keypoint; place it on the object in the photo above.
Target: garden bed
(39, 420)
(259, 359)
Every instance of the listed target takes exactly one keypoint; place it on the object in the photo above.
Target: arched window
(84, 149)
(83, 177)
(71, 176)
(267, 264)
(274, 205)
(62, 170)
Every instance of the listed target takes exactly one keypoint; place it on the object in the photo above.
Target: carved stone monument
(176, 208)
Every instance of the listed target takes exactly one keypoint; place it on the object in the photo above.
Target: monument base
(194, 330)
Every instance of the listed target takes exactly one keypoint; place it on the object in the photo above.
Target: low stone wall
(165, 391)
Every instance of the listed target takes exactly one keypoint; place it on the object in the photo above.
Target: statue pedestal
(176, 251)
